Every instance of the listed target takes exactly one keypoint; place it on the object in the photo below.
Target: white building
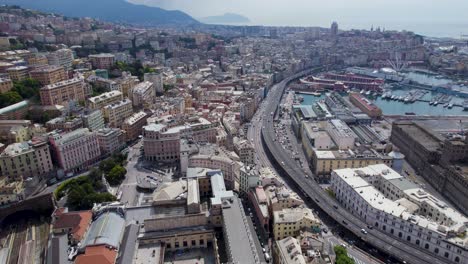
(142, 94)
(98, 102)
(110, 140)
(116, 113)
(157, 80)
(93, 120)
(76, 150)
(61, 57)
(341, 134)
(387, 201)
(248, 178)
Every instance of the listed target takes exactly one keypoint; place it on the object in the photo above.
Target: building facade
(26, 159)
(98, 102)
(102, 61)
(61, 93)
(133, 125)
(5, 85)
(61, 57)
(49, 74)
(110, 140)
(76, 150)
(394, 205)
(116, 113)
(18, 73)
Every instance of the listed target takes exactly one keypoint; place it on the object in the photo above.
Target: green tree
(9, 98)
(27, 88)
(116, 175)
(342, 256)
(107, 165)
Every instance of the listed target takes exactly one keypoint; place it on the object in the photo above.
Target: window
(436, 250)
(185, 243)
(426, 246)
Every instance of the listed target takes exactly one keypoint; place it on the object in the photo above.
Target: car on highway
(364, 231)
(344, 222)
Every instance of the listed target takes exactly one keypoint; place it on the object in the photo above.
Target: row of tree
(342, 256)
(82, 192)
(25, 89)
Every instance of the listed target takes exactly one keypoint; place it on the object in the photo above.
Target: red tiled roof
(97, 255)
(78, 222)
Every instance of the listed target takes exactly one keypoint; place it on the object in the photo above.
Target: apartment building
(93, 120)
(116, 113)
(98, 102)
(110, 140)
(18, 73)
(161, 142)
(391, 203)
(290, 221)
(26, 159)
(102, 61)
(76, 150)
(49, 74)
(133, 125)
(245, 150)
(61, 57)
(157, 80)
(142, 94)
(61, 93)
(5, 85)
(11, 192)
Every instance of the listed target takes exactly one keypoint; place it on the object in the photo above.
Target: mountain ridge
(116, 11)
(226, 18)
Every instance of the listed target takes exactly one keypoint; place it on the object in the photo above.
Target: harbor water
(392, 107)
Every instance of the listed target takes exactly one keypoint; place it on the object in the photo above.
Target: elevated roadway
(287, 167)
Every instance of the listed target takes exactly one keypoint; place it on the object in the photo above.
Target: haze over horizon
(427, 17)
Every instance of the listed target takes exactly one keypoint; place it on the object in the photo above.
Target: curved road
(405, 251)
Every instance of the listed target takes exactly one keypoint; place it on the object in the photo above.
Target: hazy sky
(430, 17)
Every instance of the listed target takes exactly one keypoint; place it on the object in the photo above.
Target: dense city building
(117, 112)
(62, 93)
(102, 61)
(109, 98)
(49, 75)
(386, 200)
(26, 159)
(76, 150)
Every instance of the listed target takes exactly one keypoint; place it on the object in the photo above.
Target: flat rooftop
(423, 137)
(238, 237)
(142, 213)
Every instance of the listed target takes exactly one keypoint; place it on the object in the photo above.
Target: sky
(437, 18)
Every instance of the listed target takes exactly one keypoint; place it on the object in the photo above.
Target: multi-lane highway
(289, 168)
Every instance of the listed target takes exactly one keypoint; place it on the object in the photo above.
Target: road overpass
(288, 168)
